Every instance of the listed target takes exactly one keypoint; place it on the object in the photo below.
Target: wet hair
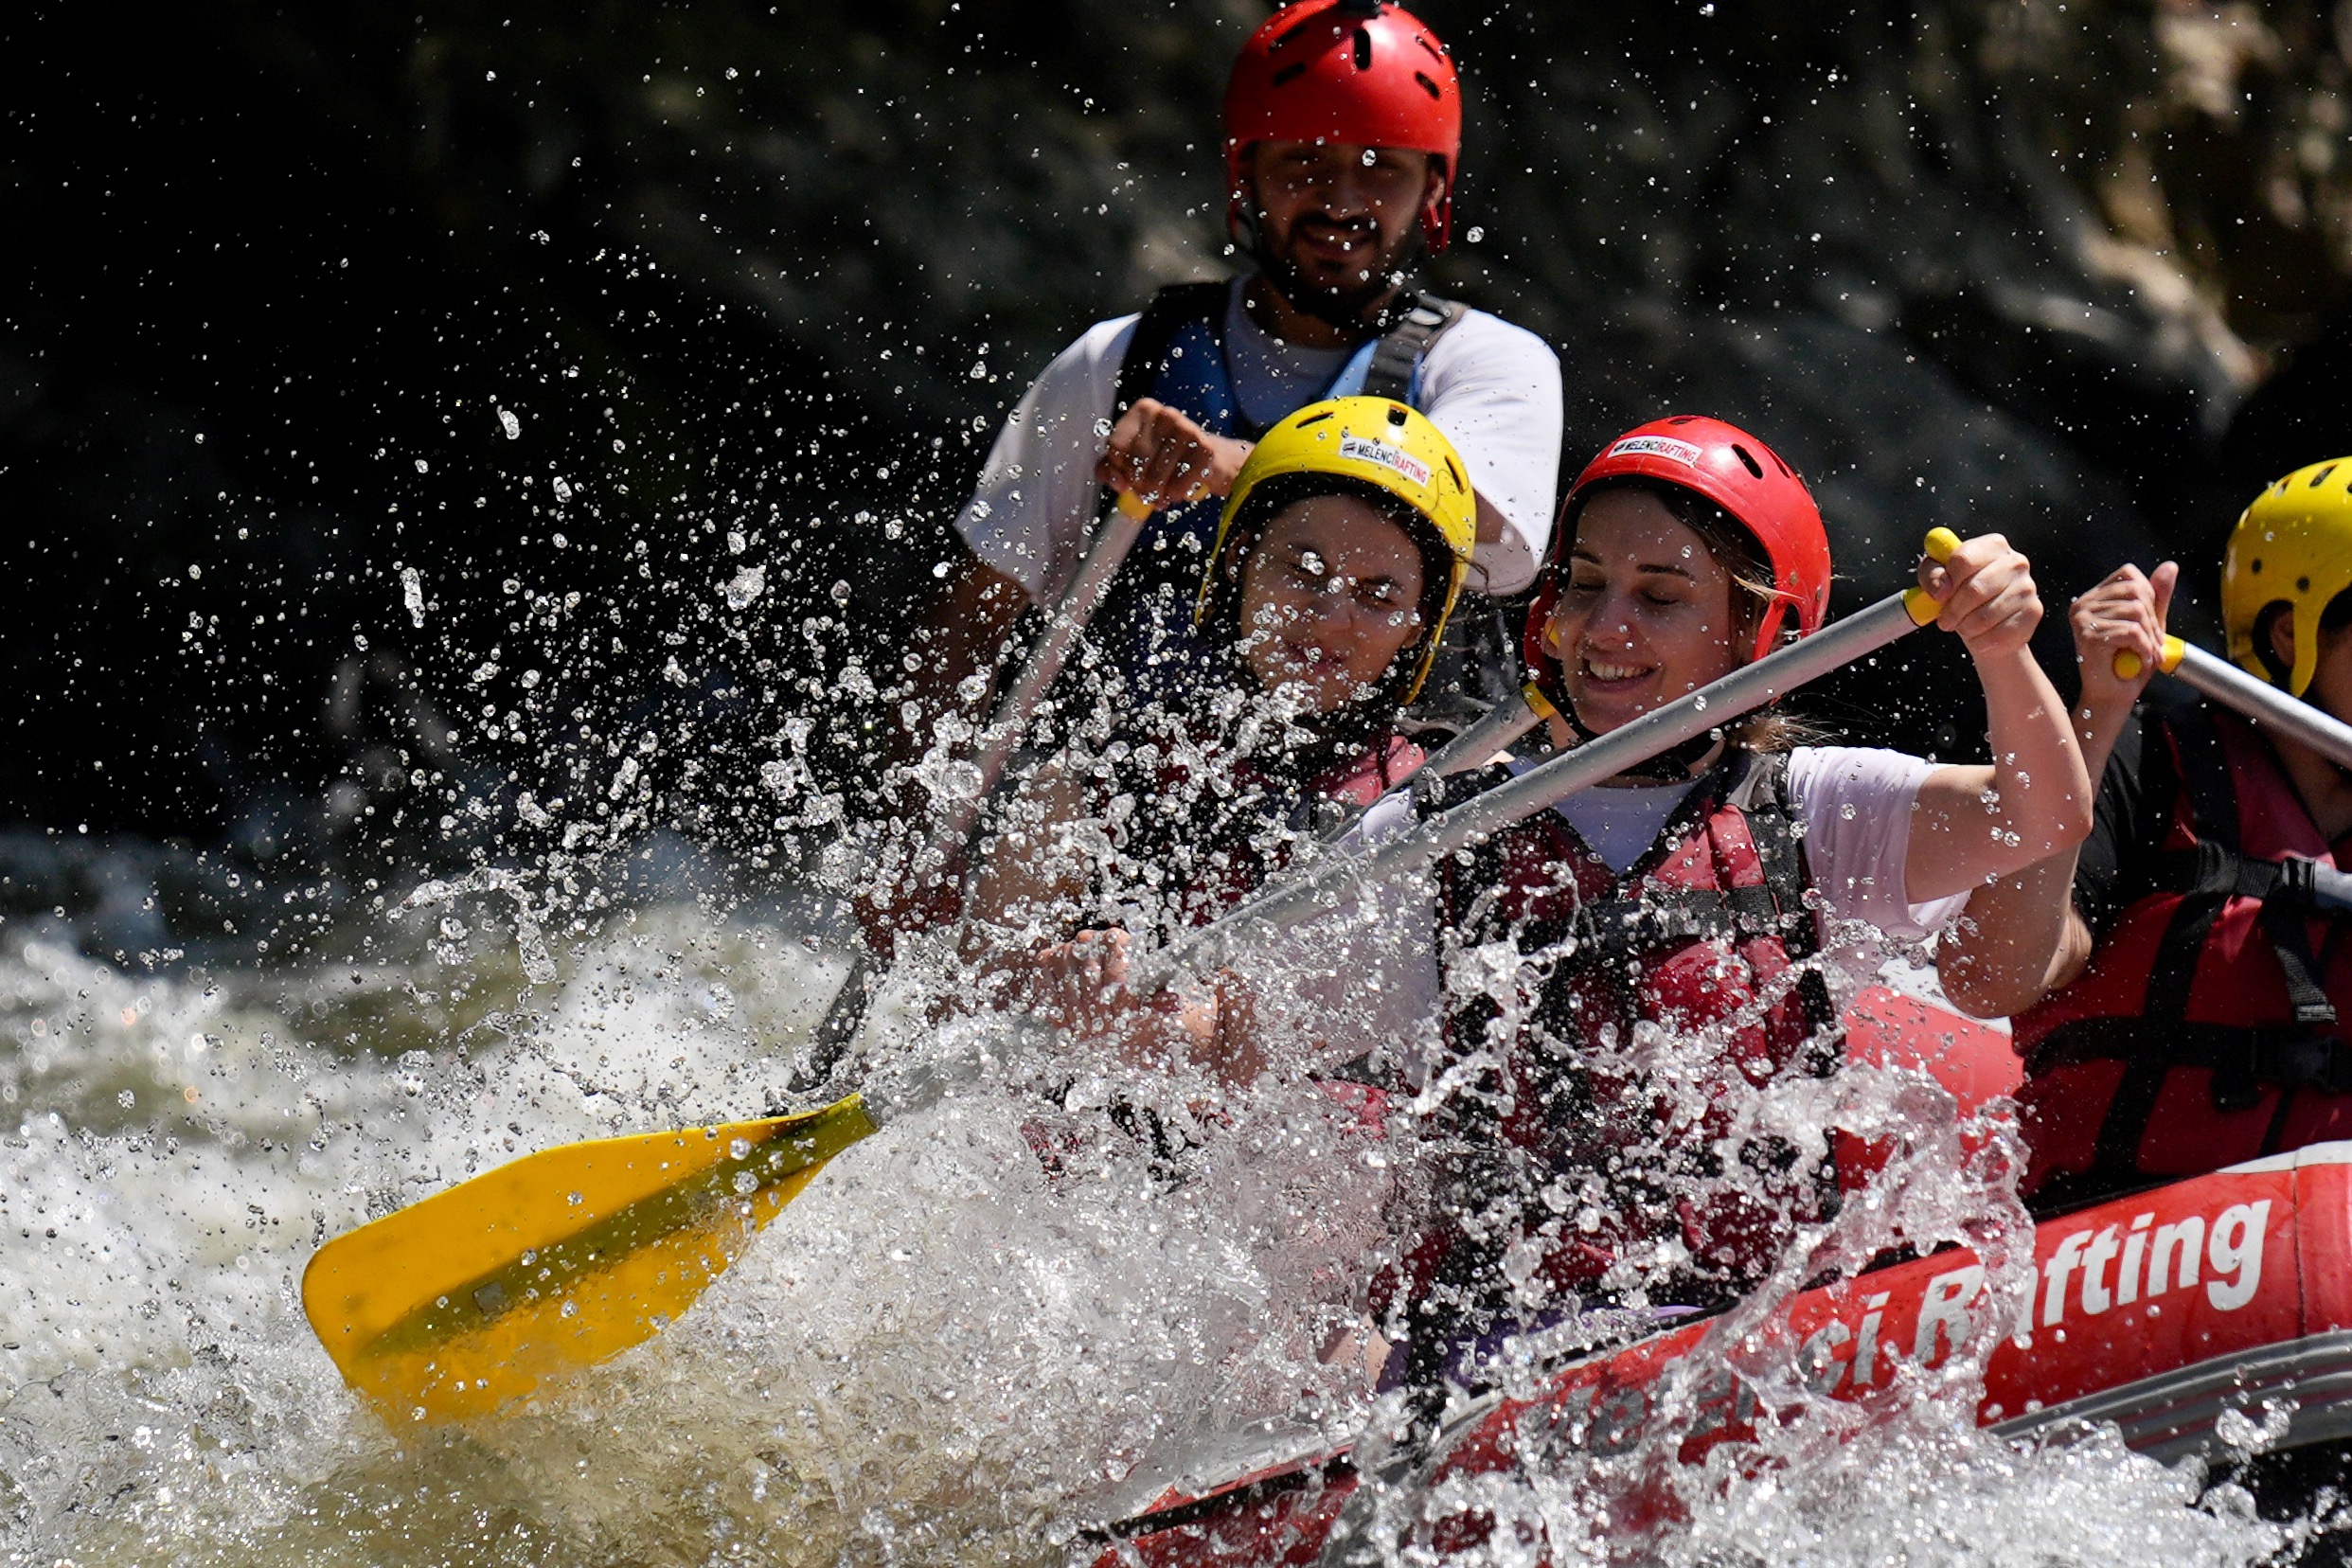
(1741, 555)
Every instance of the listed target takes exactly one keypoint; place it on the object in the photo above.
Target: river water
(943, 1352)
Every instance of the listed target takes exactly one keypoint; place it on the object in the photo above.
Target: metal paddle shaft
(2266, 706)
(1505, 724)
(1743, 690)
(1121, 525)
(1115, 537)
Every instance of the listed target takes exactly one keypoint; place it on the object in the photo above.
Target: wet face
(1330, 598)
(1336, 219)
(1645, 615)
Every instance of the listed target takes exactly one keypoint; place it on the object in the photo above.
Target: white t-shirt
(1370, 971)
(1492, 388)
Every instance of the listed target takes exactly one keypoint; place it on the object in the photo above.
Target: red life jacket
(2209, 1028)
(1566, 1141)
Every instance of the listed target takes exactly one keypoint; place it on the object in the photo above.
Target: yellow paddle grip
(1135, 506)
(1922, 605)
(1536, 703)
(2127, 663)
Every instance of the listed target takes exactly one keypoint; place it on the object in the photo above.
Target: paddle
(467, 1300)
(1121, 524)
(1503, 724)
(2257, 700)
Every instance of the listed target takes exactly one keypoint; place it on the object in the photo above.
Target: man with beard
(1342, 134)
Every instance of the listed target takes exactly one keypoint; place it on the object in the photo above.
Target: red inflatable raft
(2157, 1313)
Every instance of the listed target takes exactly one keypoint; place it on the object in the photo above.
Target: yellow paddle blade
(467, 1300)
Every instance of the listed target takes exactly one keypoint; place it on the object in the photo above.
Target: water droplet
(574, 1198)
(412, 594)
(745, 1183)
(562, 486)
(512, 426)
(745, 586)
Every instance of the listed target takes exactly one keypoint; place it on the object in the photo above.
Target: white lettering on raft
(2177, 1258)
(2175, 1254)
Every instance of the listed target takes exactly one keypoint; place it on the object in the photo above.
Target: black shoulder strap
(1762, 797)
(1423, 321)
(2205, 775)
(1171, 311)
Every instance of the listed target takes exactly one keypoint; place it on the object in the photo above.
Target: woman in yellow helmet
(1343, 548)
(2182, 992)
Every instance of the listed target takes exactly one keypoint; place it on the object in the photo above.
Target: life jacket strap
(2243, 1061)
(2290, 891)
(1396, 358)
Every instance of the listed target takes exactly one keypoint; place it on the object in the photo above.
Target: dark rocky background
(272, 276)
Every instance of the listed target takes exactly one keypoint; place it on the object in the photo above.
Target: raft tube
(2157, 1313)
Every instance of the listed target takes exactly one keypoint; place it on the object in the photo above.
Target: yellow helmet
(1369, 446)
(2292, 545)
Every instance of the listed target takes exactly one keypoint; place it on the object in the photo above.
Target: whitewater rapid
(943, 1352)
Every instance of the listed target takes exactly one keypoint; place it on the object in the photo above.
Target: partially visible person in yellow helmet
(1342, 550)
(2182, 987)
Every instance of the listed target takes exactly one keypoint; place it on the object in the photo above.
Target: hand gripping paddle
(2266, 706)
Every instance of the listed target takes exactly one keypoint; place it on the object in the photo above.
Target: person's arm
(1081, 987)
(1970, 826)
(2023, 936)
(1024, 531)
(1031, 868)
(1494, 389)
(959, 644)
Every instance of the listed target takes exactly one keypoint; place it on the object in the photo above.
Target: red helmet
(1738, 474)
(1358, 71)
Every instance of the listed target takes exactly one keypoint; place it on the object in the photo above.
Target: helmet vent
(1753, 467)
(1396, 414)
(2258, 564)
(1294, 33)
(2303, 585)
(1312, 420)
(1428, 86)
(1681, 419)
(1434, 52)
(1364, 49)
(1290, 73)
(1459, 483)
(2321, 477)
